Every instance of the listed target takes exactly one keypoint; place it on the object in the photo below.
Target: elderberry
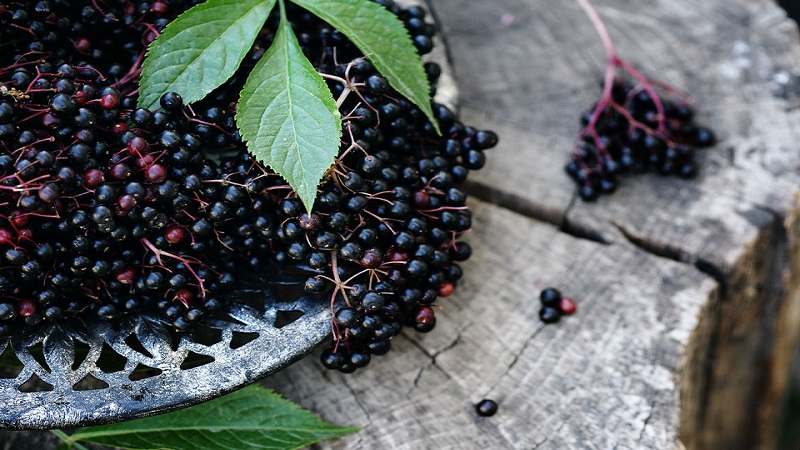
(486, 407)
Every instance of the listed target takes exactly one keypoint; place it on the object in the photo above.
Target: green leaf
(288, 117)
(381, 36)
(252, 418)
(201, 49)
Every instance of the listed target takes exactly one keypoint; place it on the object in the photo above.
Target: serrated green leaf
(381, 36)
(201, 49)
(288, 117)
(251, 418)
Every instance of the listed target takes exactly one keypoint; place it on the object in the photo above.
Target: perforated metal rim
(273, 349)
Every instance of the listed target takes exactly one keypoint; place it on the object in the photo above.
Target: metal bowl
(77, 374)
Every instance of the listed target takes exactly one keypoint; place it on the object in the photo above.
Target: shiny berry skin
(16, 256)
(379, 347)
(6, 236)
(424, 319)
(63, 105)
(567, 306)
(461, 252)
(485, 139)
(549, 314)
(550, 297)
(26, 308)
(171, 101)
(359, 359)
(703, 137)
(109, 101)
(332, 360)
(351, 251)
(376, 85)
(137, 145)
(156, 173)
(347, 317)
(446, 289)
(119, 171)
(486, 408)
(175, 234)
(126, 276)
(372, 301)
(309, 223)
(315, 285)
(371, 258)
(417, 268)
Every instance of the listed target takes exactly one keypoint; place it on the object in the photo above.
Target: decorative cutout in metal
(78, 374)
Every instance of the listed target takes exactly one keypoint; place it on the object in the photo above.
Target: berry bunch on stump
(633, 127)
(107, 210)
(635, 131)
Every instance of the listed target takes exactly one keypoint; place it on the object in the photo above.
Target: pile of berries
(555, 305)
(634, 130)
(107, 210)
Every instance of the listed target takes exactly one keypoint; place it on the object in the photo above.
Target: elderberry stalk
(633, 128)
(629, 136)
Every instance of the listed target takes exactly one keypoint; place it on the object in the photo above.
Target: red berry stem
(649, 131)
(613, 63)
(187, 261)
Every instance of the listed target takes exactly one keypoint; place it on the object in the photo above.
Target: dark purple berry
(486, 408)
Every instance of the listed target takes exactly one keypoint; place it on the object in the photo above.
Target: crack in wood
(731, 156)
(663, 251)
(547, 438)
(676, 254)
(521, 351)
(432, 356)
(579, 232)
(646, 421)
(516, 203)
(360, 404)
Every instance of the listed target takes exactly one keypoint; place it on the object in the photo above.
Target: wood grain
(687, 290)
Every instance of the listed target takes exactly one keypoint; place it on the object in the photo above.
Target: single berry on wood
(486, 407)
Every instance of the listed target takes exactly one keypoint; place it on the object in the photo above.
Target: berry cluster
(107, 36)
(632, 128)
(555, 305)
(634, 131)
(108, 210)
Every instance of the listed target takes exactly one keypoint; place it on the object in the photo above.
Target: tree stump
(687, 291)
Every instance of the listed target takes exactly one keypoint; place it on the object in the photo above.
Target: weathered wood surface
(687, 291)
